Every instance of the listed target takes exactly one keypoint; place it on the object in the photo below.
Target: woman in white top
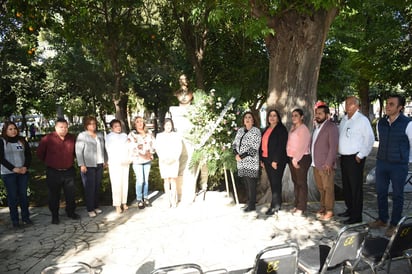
(142, 142)
(168, 148)
(117, 147)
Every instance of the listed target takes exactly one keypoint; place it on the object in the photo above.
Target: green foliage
(368, 42)
(217, 152)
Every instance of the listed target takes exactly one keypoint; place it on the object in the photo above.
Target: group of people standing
(351, 141)
(93, 151)
(271, 150)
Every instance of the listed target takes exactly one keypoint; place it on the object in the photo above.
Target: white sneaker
(98, 211)
(92, 214)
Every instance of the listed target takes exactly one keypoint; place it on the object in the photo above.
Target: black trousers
(275, 178)
(250, 184)
(92, 180)
(56, 181)
(352, 182)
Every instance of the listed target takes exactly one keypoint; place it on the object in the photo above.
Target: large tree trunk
(295, 53)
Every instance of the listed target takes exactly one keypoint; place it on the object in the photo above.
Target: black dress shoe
(55, 220)
(344, 214)
(140, 204)
(248, 209)
(28, 222)
(74, 216)
(351, 221)
(271, 211)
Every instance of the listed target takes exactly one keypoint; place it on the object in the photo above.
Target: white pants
(119, 179)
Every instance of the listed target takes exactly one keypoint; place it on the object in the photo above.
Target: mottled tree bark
(295, 53)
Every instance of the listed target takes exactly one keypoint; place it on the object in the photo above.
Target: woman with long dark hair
(168, 148)
(15, 159)
(273, 156)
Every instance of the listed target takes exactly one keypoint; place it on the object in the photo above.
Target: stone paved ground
(214, 233)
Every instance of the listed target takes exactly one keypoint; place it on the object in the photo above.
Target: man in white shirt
(394, 155)
(356, 140)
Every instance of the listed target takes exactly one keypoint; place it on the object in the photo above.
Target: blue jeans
(16, 187)
(387, 173)
(141, 172)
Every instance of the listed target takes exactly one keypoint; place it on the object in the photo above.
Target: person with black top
(273, 156)
(56, 150)
(15, 159)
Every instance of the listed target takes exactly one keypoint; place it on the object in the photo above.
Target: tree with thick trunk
(295, 52)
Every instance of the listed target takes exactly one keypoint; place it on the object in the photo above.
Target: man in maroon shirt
(56, 150)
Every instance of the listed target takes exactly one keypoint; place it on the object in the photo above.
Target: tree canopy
(91, 57)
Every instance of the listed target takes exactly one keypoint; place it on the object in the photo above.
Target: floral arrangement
(216, 152)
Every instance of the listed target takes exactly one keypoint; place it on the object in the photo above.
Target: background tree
(21, 74)
(371, 48)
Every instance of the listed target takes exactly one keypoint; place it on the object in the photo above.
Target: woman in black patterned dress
(246, 148)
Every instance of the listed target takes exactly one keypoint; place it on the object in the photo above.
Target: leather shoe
(344, 214)
(248, 209)
(55, 220)
(271, 211)
(351, 221)
(74, 216)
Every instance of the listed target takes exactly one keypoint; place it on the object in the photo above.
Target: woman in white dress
(168, 148)
(117, 147)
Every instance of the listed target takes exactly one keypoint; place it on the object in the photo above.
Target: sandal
(320, 213)
(125, 207)
(147, 202)
(326, 217)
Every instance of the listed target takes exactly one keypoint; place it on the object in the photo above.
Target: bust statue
(183, 94)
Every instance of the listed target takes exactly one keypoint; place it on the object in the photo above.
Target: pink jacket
(298, 142)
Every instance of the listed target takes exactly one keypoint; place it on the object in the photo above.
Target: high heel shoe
(298, 213)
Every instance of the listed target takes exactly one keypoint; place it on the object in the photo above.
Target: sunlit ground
(214, 234)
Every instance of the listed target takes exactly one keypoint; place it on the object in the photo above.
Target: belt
(59, 169)
(349, 155)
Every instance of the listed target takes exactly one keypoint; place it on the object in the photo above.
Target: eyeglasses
(348, 132)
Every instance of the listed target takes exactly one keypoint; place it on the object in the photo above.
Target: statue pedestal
(186, 184)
